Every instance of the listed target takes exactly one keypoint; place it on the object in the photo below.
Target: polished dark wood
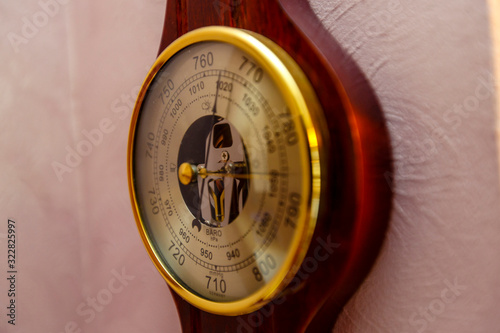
(355, 199)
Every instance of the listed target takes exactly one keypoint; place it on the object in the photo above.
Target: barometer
(259, 190)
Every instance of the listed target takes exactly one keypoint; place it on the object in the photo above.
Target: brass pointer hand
(188, 172)
(209, 144)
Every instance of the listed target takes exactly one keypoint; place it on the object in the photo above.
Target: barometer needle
(209, 143)
(188, 173)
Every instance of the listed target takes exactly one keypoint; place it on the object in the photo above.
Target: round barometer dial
(224, 168)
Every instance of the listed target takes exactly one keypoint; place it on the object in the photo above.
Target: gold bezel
(302, 101)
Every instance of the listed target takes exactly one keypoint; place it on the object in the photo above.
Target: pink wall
(68, 76)
(431, 66)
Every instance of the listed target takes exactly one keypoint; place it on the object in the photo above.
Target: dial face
(221, 173)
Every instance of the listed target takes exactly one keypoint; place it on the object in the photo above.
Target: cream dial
(223, 169)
